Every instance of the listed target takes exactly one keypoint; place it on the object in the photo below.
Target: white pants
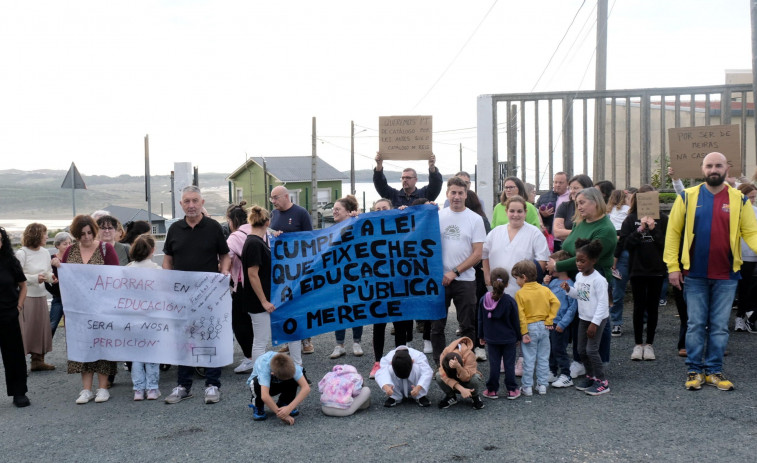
(261, 328)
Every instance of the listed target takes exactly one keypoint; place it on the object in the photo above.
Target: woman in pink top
(236, 217)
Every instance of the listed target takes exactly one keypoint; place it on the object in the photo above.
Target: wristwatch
(457, 272)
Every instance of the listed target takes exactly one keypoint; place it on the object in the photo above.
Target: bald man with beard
(703, 255)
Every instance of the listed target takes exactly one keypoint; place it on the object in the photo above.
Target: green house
(254, 180)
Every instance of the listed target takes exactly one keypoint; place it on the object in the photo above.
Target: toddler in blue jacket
(559, 361)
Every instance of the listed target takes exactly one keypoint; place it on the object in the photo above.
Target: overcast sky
(211, 81)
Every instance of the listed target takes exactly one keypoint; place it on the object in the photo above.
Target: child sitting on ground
(499, 331)
(144, 375)
(559, 361)
(276, 374)
(342, 391)
(405, 373)
(537, 307)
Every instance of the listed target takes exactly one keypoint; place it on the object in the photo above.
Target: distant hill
(37, 194)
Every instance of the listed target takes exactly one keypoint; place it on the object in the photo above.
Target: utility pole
(313, 182)
(148, 196)
(352, 157)
(600, 84)
(461, 157)
(754, 62)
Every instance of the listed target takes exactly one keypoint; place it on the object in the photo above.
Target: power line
(558, 45)
(579, 35)
(456, 56)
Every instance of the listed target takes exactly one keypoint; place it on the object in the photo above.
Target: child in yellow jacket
(537, 307)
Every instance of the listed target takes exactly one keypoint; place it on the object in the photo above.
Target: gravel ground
(647, 416)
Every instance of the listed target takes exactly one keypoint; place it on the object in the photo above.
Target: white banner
(146, 315)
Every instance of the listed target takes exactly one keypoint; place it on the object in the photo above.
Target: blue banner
(378, 267)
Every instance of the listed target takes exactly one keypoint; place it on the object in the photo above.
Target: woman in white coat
(515, 241)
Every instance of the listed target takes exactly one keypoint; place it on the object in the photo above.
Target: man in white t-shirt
(463, 236)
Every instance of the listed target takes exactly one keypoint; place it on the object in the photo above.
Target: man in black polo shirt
(196, 244)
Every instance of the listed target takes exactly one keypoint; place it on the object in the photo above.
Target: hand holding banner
(376, 268)
(146, 315)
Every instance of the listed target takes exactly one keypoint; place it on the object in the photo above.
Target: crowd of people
(542, 276)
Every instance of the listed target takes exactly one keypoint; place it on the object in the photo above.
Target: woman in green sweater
(591, 223)
(514, 187)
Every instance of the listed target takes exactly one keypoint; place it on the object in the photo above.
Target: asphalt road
(647, 416)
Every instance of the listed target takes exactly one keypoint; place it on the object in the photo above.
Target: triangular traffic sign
(73, 179)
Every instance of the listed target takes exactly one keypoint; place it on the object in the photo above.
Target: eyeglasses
(107, 228)
(407, 178)
(274, 197)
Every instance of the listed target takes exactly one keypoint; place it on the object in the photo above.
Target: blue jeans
(536, 354)
(709, 305)
(619, 290)
(145, 375)
(56, 313)
(559, 360)
(664, 290)
(357, 334)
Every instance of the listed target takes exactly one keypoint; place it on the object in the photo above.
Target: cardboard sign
(379, 267)
(405, 137)
(648, 204)
(147, 315)
(689, 146)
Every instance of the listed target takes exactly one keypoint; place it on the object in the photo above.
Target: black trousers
(241, 324)
(12, 348)
(403, 334)
(287, 389)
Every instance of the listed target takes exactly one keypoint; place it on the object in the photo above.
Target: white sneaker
(541, 389)
(577, 369)
(427, 347)
(338, 352)
(84, 396)
(527, 391)
(649, 352)
(638, 352)
(749, 325)
(480, 354)
(563, 381)
(244, 366)
(739, 324)
(551, 378)
(102, 395)
(212, 395)
(357, 351)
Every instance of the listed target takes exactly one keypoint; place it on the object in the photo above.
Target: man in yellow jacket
(705, 229)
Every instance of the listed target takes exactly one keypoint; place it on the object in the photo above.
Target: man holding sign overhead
(409, 192)
(705, 225)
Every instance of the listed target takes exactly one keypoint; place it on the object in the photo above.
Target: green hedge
(667, 198)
